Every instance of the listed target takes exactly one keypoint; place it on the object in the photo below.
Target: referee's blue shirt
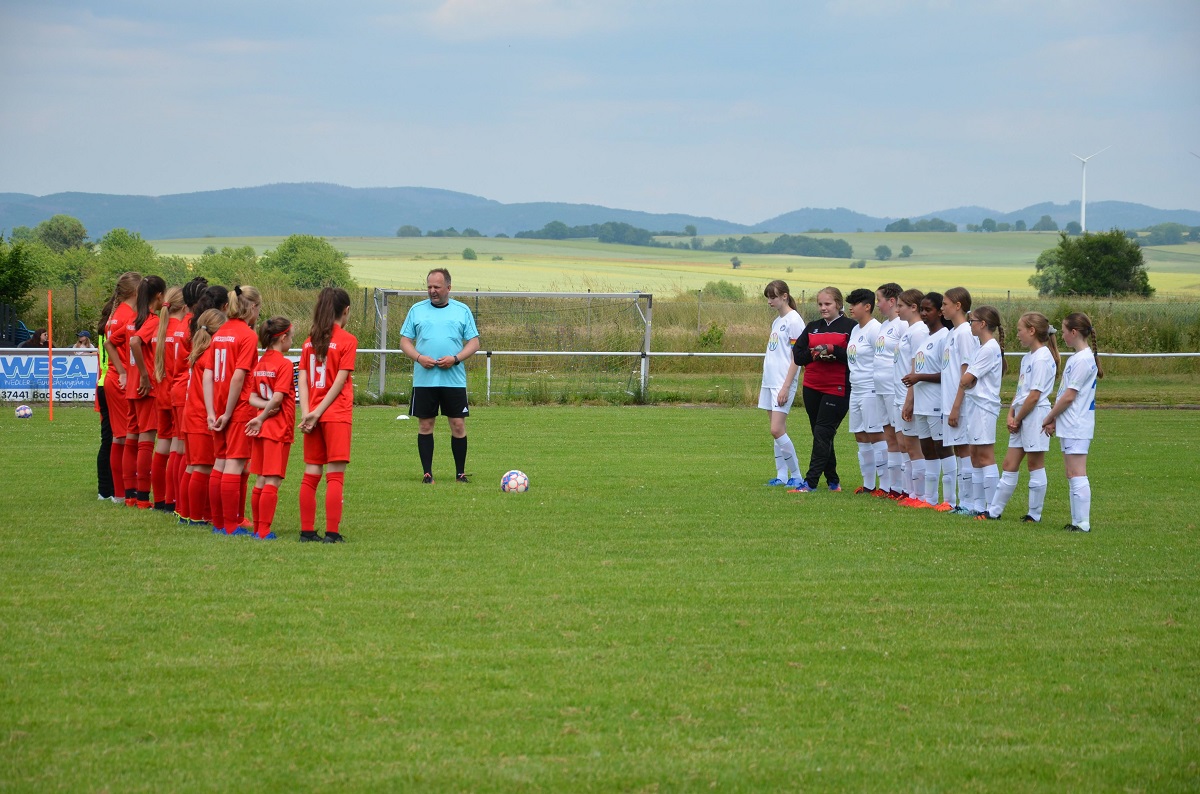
(436, 333)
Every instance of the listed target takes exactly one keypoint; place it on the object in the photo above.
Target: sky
(737, 110)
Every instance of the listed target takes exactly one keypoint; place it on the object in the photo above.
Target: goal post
(540, 346)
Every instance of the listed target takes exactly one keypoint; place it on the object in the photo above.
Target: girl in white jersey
(887, 298)
(1074, 414)
(959, 353)
(981, 384)
(1029, 408)
(924, 404)
(779, 368)
(907, 436)
(866, 408)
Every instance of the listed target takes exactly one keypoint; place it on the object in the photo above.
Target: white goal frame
(381, 320)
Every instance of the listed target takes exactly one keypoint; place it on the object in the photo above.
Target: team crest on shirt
(852, 353)
(946, 356)
(919, 359)
(880, 342)
(773, 342)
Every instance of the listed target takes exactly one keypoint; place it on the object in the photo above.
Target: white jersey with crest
(1037, 374)
(929, 359)
(910, 341)
(959, 352)
(886, 343)
(1080, 373)
(785, 331)
(987, 367)
(860, 356)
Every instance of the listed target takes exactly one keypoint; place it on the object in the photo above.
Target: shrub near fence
(684, 322)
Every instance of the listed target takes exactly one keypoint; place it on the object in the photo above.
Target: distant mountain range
(336, 211)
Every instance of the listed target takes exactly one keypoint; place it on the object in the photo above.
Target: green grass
(647, 617)
(991, 264)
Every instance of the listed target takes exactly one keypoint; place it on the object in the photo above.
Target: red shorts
(329, 442)
(232, 443)
(200, 449)
(143, 416)
(165, 422)
(118, 406)
(269, 458)
(177, 422)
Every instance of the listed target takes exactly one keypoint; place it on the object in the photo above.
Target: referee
(439, 334)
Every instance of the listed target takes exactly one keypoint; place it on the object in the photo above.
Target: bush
(858, 264)
(724, 291)
(469, 253)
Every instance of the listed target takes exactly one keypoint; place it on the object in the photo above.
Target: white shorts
(866, 412)
(767, 397)
(957, 436)
(903, 426)
(981, 425)
(1031, 437)
(1075, 446)
(891, 415)
(928, 426)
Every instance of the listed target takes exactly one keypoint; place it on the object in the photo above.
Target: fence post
(699, 326)
(381, 317)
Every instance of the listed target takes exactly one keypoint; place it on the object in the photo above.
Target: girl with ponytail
(183, 335)
(200, 454)
(142, 387)
(235, 352)
(981, 385)
(326, 405)
(779, 370)
(1074, 414)
(163, 476)
(116, 344)
(273, 429)
(1027, 439)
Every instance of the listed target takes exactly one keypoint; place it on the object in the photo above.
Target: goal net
(536, 347)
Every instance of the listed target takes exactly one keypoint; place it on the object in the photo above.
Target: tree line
(58, 253)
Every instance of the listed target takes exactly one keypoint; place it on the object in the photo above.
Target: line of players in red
(195, 410)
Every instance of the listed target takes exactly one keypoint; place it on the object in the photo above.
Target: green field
(647, 617)
(991, 264)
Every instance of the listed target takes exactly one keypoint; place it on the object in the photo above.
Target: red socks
(308, 502)
(241, 504)
(158, 475)
(182, 486)
(171, 479)
(265, 501)
(255, 496)
(129, 462)
(198, 490)
(333, 501)
(215, 509)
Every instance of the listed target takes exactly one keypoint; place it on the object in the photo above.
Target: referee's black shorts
(451, 401)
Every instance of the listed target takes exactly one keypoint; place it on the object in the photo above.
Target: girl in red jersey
(116, 344)
(235, 352)
(274, 428)
(140, 386)
(326, 400)
(200, 455)
(167, 358)
(183, 470)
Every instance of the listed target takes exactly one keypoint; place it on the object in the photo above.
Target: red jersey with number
(120, 326)
(195, 414)
(320, 374)
(173, 359)
(183, 371)
(234, 346)
(148, 333)
(275, 374)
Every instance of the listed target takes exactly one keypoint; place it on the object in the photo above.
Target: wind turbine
(1083, 198)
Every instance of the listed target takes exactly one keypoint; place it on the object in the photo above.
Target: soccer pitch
(648, 616)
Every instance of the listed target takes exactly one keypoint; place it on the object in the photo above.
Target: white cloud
(473, 20)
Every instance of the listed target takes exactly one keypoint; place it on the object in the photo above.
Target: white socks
(991, 481)
(949, 475)
(916, 488)
(978, 500)
(932, 470)
(1037, 493)
(866, 464)
(881, 464)
(906, 475)
(785, 459)
(1004, 492)
(1081, 502)
(965, 474)
(895, 471)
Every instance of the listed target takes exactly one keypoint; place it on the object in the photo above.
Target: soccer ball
(24, 412)
(514, 482)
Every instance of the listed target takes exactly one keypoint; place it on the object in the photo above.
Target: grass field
(992, 264)
(647, 617)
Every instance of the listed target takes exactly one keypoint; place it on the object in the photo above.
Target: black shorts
(427, 400)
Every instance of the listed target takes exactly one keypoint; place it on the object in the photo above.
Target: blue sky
(738, 110)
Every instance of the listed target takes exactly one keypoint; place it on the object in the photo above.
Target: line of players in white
(925, 402)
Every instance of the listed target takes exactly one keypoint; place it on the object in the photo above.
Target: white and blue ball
(514, 482)
(24, 412)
